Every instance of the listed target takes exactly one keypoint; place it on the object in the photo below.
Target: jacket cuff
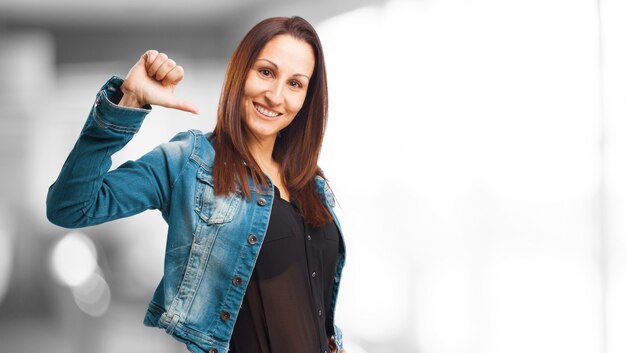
(338, 338)
(110, 115)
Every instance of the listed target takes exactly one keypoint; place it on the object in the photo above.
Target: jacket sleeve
(87, 193)
(338, 338)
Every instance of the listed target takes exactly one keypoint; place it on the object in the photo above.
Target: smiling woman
(273, 95)
(254, 251)
(280, 68)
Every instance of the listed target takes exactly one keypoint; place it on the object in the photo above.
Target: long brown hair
(297, 146)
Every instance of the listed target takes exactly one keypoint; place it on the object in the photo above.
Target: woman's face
(276, 85)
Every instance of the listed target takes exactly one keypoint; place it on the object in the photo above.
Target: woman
(253, 181)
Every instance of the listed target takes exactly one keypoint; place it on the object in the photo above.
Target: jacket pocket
(213, 208)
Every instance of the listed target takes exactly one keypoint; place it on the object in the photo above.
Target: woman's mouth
(264, 111)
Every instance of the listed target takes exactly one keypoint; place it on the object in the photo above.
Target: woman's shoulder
(323, 187)
(191, 144)
(194, 136)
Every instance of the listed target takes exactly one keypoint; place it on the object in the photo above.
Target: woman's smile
(265, 112)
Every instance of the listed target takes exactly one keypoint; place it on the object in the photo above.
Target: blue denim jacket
(212, 241)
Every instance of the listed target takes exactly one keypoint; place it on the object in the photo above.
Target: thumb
(184, 106)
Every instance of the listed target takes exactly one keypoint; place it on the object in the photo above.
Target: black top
(287, 302)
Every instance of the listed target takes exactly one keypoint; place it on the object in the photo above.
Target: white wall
(466, 148)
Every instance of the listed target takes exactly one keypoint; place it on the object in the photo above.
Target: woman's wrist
(129, 99)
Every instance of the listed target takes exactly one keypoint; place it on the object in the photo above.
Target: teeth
(264, 111)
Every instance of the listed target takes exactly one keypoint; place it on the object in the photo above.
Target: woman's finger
(174, 76)
(161, 58)
(149, 57)
(164, 69)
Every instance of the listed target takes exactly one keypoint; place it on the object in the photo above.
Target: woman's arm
(86, 192)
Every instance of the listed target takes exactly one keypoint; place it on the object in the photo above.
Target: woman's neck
(262, 150)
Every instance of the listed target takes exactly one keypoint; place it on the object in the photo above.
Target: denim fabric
(211, 240)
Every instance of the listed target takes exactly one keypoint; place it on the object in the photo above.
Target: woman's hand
(152, 81)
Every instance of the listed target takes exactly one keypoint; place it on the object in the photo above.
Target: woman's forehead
(288, 54)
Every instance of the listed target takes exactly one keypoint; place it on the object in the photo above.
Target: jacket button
(213, 350)
(252, 239)
(237, 281)
(308, 236)
(225, 315)
(319, 313)
(261, 201)
(313, 274)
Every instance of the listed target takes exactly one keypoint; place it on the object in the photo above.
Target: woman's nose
(274, 94)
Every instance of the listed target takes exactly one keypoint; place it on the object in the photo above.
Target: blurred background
(477, 150)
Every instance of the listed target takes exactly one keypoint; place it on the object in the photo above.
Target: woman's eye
(265, 72)
(295, 84)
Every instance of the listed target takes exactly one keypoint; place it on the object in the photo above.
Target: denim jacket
(212, 241)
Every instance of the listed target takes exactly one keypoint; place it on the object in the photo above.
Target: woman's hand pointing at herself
(152, 81)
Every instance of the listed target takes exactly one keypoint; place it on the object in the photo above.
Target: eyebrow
(276, 66)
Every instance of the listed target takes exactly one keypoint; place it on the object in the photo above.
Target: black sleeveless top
(286, 307)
